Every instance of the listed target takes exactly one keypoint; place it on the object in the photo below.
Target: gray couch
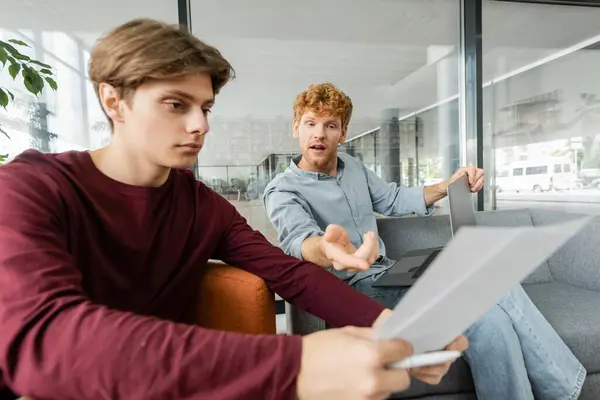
(566, 289)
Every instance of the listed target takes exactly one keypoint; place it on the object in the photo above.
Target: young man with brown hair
(100, 252)
(323, 207)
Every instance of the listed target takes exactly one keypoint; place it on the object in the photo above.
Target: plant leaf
(30, 85)
(14, 52)
(21, 57)
(45, 71)
(14, 69)
(8, 47)
(34, 78)
(12, 96)
(3, 99)
(51, 82)
(4, 133)
(3, 56)
(41, 64)
(19, 42)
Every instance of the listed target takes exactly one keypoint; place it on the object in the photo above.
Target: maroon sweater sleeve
(56, 343)
(299, 282)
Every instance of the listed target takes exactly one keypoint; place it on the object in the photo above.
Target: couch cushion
(578, 261)
(516, 218)
(573, 312)
(591, 387)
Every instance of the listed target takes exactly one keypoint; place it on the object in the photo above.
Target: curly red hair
(324, 99)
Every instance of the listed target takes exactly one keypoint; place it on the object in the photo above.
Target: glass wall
(62, 35)
(541, 106)
(398, 61)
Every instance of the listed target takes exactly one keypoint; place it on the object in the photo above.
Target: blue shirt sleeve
(391, 199)
(292, 218)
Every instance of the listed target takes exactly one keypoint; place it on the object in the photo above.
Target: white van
(538, 176)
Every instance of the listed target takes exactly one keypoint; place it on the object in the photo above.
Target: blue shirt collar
(315, 175)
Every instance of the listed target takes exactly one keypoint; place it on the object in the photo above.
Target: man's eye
(175, 105)
(206, 111)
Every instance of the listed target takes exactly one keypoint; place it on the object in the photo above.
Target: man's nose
(198, 123)
(320, 131)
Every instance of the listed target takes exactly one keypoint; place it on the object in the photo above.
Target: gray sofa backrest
(578, 261)
(410, 233)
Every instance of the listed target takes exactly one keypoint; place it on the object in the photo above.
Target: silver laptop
(411, 266)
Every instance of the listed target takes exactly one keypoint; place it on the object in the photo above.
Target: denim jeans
(514, 353)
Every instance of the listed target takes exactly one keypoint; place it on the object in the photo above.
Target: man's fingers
(387, 351)
(390, 351)
(335, 233)
(393, 380)
(433, 374)
(342, 260)
(382, 353)
(431, 370)
(479, 174)
(369, 250)
(340, 251)
(460, 343)
(478, 180)
(471, 172)
(432, 377)
(350, 249)
(477, 186)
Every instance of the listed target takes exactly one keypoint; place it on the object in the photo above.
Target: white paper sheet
(468, 277)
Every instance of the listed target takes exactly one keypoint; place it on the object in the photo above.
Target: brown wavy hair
(145, 49)
(324, 99)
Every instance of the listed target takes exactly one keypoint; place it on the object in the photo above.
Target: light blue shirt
(300, 204)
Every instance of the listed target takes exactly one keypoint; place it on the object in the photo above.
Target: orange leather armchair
(231, 299)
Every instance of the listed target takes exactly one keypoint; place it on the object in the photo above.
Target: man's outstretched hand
(342, 253)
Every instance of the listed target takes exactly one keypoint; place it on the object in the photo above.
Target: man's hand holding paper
(430, 374)
(457, 290)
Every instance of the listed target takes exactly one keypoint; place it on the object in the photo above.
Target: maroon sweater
(95, 275)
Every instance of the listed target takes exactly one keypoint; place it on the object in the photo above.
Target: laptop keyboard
(426, 264)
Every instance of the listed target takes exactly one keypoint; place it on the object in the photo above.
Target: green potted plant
(34, 75)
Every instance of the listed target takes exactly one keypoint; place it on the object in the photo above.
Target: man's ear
(295, 127)
(111, 102)
(343, 135)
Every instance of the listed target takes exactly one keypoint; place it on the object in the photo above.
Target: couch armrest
(231, 299)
